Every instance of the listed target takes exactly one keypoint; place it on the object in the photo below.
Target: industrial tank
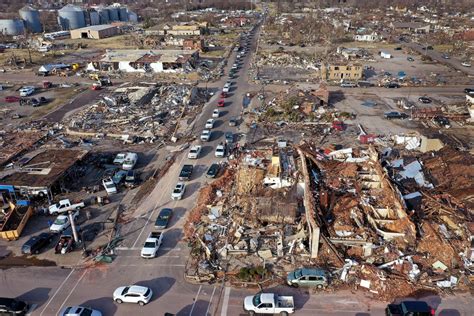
(11, 27)
(113, 13)
(103, 15)
(71, 17)
(31, 18)
(94, 18)
(123, 14)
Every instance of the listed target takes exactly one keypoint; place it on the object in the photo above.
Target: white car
(120, 158)
(466, 64)
(62, 222)
(137, 294)
(194, 152)
(206, 135)
(109, 186)
(215, 113)
(178, 191)
(220, 151)
(210, 123)
(26, 91)
(79, 311)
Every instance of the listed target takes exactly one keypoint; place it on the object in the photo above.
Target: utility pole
(73, 227)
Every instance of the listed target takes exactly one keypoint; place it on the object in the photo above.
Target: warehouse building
(94, 32)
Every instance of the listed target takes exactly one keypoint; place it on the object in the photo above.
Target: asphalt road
(82, 99)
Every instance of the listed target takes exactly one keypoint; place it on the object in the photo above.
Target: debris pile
(287, 59)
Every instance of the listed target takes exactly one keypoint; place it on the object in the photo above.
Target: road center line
(195, 300)
(72, 291)
(225, 303)
(57, 291)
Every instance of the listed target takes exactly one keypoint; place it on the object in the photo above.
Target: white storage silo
(113, 13)
(123, 14)
(71, 17)
(31, 18)
(11, 27)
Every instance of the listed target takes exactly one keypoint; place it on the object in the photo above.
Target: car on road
(213, 170)
(26, 91)
(178, 191)
(425, 100)
(79, 311)
(223, 95)
(186, 173)
(109, 186)
(348, 85)
(209, 123)
(392, 85)
(269, 303)
(152, 244)
(410, 308)
(226, 89)
(215, 113)
(410, 59)
(34, 102)
(466, 64)
(445, 56)
(233, 121)
(229, 137)
(163, 218)
(62, 222)
(220, 151)
(317, 278)
(12, 99)
(36, 243)
(206, 135)
(469, 91)
(137, 294)
(394, 115)
(442, 121)
(221, 103)
(194, 152)
(11, 306)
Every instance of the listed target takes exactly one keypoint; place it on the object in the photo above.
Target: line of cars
(125, 175)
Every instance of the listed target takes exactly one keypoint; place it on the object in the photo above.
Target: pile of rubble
(145, 111)
(376, 220)
(286, 60)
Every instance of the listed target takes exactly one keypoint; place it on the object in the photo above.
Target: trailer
(14, 221)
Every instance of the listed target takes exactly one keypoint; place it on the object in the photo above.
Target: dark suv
(10, 306)
(409, 308)
(36, 243)
(395, 115)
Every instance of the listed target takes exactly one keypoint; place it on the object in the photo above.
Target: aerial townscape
(237, 157)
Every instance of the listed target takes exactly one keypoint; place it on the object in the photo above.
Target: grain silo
(113, 13)
(104, 17)
(123, 14)
(93, 17)
(71, 17)
(11, 27)
(31, 18)
(132, 16)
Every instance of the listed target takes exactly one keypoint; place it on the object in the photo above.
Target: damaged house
(141, 61)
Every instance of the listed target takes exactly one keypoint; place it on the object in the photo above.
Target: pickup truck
(269, 303)
(64, 206)
(152, 244)
(408, 308)
(186, 172)
(194, 152)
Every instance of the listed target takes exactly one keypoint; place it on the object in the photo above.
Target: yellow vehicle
(13, 222)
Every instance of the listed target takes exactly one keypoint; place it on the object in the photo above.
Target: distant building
(94, 32)
(193, 44)
(412, 27)
(371, 37)
(236, 21)
(337, 72)
(141, 61)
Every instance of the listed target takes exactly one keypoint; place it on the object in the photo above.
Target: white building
(372, 37)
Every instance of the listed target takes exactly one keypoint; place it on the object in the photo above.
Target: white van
(129, 161)
(26, 91)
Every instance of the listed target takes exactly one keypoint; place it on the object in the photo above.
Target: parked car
(43, 100)
(220, 151)
(213, 170)
(178, 191)
(223, 95)
(466, 64)
(12, 99)
(410, 59)
(229, 137)
(130, 161)
(269, 303)
(36, 243)
(163, 218)
(62, 222)
(221, 103)
(445, 56)
(137, 294)
(64, 206)
(194, 152)
(348, 85)
(119, 177)
(409, 308)
(210, 123)
(11, 306)
(79, 311)
(186, 173)
(119, 159)
(233, 121)
(26, 91)
(109, 186)
(215, 113)
(206, 135)
(34, 102)
(469, 91)
(394, 115)
(392, 85)
(152, 244)
(130, 179)
(317, 278)
(425, 100)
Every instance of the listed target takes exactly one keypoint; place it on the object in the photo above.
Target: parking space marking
(57, 291)
(225, 303)
(195, 300)
(72, 291)
(210, 301)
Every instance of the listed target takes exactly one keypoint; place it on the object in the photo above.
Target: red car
(220, 103)
(11, 99)
(223, 95)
